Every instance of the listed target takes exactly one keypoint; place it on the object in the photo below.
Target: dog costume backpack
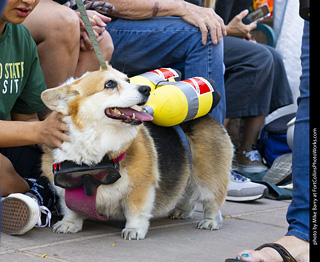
(172, 103)
(157, 77)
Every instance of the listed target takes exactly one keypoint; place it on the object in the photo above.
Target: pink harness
(77, 200)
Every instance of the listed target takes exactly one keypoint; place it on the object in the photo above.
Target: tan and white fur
(152, 183)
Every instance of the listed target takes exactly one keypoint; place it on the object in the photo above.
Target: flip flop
(286, 256)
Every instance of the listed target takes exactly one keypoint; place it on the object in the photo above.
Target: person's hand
(98, 22)
(52, 131)
(206, 20)
(238, 29)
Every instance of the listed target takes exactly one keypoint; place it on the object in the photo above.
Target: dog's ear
(57, 98)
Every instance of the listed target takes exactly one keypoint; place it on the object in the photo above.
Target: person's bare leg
(297, 247)
(56, 31)
(252, 127)
(226, 122)
(10, 181)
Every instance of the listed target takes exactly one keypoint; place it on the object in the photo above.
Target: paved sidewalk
(246, 226)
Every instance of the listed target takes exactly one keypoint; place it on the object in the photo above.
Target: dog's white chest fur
(91, 144)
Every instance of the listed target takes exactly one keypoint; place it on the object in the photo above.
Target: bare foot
(297, 247)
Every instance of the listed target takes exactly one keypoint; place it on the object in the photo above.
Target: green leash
(91, 34)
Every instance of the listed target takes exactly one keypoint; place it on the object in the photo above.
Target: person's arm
(26, 129)
(204, 18)
(142, 9)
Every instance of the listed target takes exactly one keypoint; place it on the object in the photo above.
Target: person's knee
(66, 24)
(53, 23)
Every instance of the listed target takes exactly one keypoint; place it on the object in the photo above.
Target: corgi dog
(156, 176)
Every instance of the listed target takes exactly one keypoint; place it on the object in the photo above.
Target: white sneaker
(241, 189)
(20, 213)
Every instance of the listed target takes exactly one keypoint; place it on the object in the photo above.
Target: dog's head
(105, 96)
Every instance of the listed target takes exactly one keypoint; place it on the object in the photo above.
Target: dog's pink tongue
(140, 115)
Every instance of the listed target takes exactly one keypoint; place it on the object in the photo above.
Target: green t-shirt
(21, 77)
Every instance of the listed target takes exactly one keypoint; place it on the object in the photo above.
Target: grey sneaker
(241, 189)
(280, 171)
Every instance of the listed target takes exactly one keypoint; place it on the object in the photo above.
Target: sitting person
(20, 162)
(21, 82)
(255, 73)
(294, 246)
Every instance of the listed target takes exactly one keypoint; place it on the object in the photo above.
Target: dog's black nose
(145, 90)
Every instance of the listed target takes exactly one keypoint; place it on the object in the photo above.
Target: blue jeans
(298, 212)
(148, 44)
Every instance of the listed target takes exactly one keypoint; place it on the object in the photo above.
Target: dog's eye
(111, 84)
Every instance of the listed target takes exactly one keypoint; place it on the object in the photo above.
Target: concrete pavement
(246, 226)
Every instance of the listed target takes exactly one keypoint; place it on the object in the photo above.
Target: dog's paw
(133, 234)
(67, 227)
(211, 224)
(179, 214)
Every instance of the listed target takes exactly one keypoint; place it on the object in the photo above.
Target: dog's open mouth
(128, 115)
